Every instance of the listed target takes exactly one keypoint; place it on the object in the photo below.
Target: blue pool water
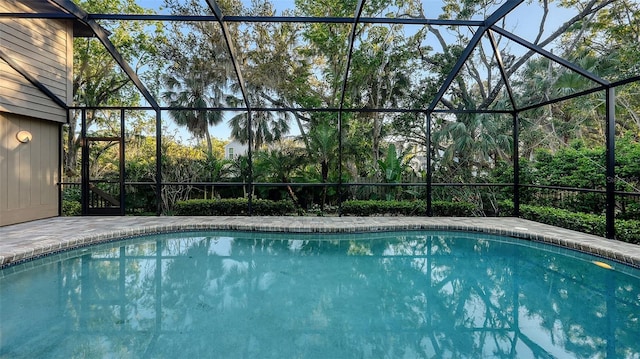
(257, 295)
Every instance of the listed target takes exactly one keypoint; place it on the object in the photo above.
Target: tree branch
(590, 9)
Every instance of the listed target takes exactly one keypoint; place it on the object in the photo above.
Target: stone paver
(26, 241)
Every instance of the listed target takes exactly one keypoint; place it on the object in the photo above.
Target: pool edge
(27, 241)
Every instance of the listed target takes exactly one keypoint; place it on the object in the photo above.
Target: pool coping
(30, 240)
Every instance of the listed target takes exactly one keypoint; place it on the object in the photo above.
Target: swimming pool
(268, 295)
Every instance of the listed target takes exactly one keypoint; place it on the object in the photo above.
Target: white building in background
(234, 149)
(418, 154)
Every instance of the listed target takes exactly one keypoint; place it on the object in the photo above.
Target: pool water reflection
(257, 295)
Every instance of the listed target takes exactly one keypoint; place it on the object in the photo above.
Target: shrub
(405, 208)
(452, 209)
(232, 207)
(626, 230)
(582, 222)
(72, 193)
(379, 207)
(71, 208)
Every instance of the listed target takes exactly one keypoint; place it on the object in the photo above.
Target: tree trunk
(325, 175)
(209, 144)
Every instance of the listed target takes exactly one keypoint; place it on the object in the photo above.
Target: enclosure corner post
(250, 162)
(84, 170)
(158, 162)
(61, 164)
(516, 165)
(340, 163)
(429, 171)
(122, 167)
(610, 135)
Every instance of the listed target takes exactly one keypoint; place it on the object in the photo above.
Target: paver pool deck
(26, 241)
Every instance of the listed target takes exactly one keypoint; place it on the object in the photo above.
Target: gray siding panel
(43, 49)
(17, 95)
(28, 171)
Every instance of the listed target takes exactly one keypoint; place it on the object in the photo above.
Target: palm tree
(279, 165)
(476, 141)
(393, 167)
(265, 128)
(240, 171)
(194, 85)
(323, 146)
(217, 170)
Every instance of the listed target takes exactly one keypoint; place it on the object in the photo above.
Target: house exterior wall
(44, 48)
(28, 171)
(234, 149)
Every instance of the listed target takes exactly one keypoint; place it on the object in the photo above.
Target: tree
(381, 75)
(323, 145)
(266, 127)
(98, 79)
(471, 145)
(279, 165)
(192, 84)
(271, 67)
(609, 40)
(200, 70)
(240, 170)
(467, 146)
(601, 43)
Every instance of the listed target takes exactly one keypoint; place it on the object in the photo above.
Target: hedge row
(233, 207)
(263, 207)
(71, 208)
(626, 230)
(406, 208)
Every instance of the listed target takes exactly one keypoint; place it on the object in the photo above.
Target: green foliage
(71, 197)
(392, 166)
(626, 230)
(628, 163)
(577, 166)
(573, 166)
(277, 165)
(180, 164)
(302, 65)
(581, 222)
(71, 193)
(452, 209)
(233, 207)
(406, 208)
(98, 79)
(71, 208)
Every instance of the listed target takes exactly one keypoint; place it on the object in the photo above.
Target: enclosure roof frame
(67, 9)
